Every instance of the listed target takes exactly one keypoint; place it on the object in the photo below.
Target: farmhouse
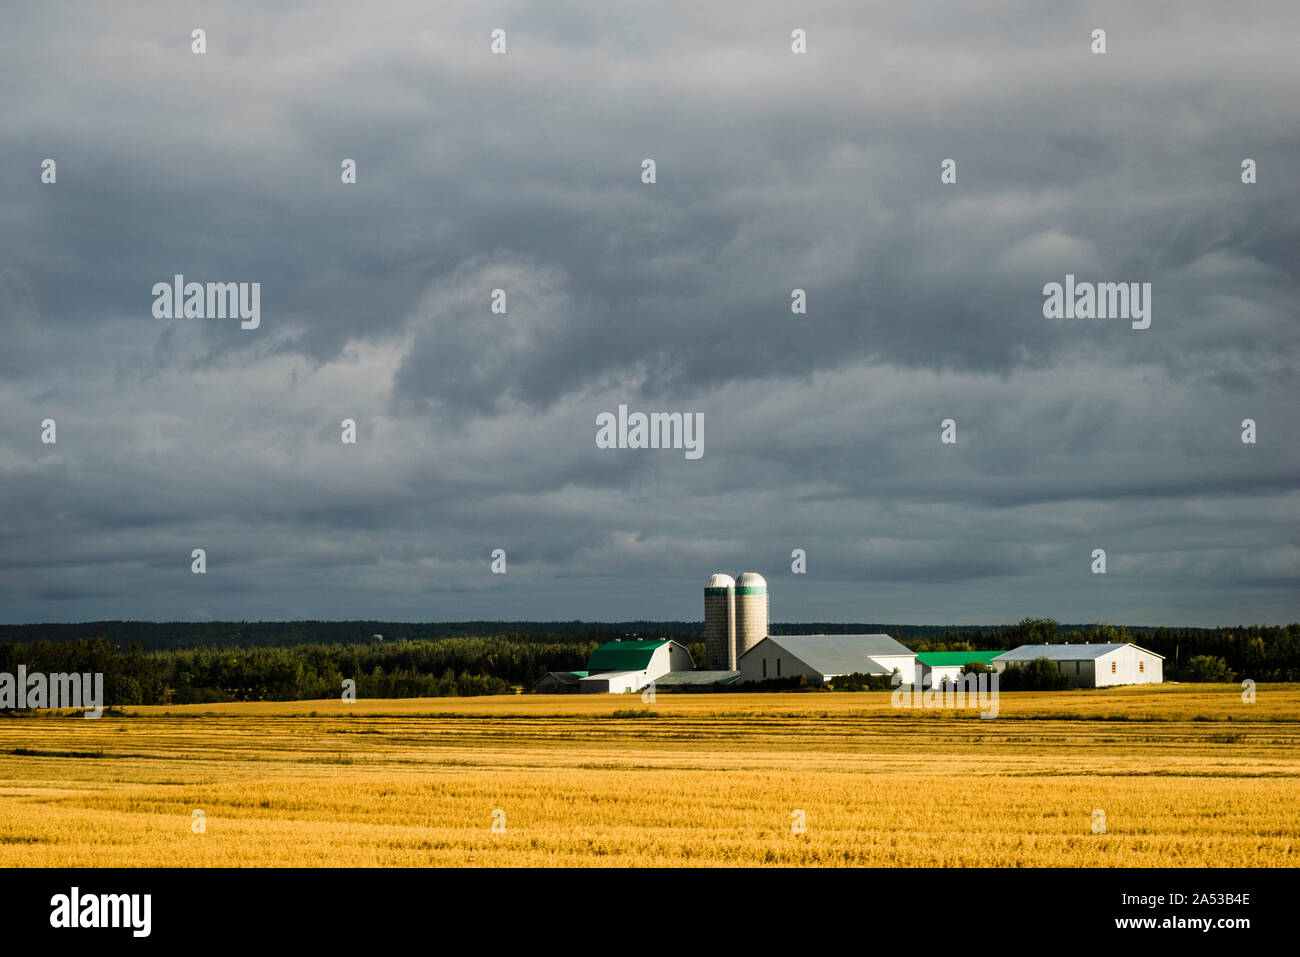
(932, 667)
(820, 658)
(1092, 666)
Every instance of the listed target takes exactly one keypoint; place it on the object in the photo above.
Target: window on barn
(764, 667)
(1112, 667)
(1142, 666)
(778, 667)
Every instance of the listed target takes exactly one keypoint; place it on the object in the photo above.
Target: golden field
(1186, 776)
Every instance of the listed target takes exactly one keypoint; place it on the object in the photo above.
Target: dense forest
(173, 635)
(149, 663)
(162, 636)
(397, 669)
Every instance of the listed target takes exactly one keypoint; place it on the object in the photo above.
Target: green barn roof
(942, 659)
(628, 655)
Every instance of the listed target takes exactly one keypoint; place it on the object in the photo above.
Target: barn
(627, 665)
(934, 666)
(1092, 665)
(820, 658)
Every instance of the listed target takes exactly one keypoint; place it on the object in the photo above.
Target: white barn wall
(1126, 669)
(780, 664)
(906, 665)
(932, 676)
(614, 682)
(671, 657)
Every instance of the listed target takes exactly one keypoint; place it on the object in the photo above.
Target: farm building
(696, 680)
(1092, 666)
(618, 667)
(559, 682)
(823, 657)
(932, 667)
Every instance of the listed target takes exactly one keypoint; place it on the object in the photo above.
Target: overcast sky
(775, 171)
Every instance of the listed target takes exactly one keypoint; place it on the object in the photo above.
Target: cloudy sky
(775, 171)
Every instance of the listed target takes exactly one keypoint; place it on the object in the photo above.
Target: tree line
(399, 669)
(174, 635)
(493, 664)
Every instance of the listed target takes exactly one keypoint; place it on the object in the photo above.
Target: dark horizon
(534, 623)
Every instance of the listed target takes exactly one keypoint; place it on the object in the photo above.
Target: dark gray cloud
(775, 171)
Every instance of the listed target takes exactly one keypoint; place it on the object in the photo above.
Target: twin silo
(735, 618)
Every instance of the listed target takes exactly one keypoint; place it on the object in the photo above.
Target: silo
(720, 623)
(751, 611)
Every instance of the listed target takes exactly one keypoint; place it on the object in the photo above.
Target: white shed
(1092, 665)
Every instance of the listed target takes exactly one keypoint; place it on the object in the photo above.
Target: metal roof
(634, 654)
(1064, 652)
(836, 654)
(940, 659)
(564, 677)
(697, 678)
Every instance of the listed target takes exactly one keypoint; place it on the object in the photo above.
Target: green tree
(1041, 674)
(1209, 668)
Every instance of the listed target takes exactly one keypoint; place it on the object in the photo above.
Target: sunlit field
(1184, 775)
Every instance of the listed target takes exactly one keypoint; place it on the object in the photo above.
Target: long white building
(1092, 665)
(821, 658)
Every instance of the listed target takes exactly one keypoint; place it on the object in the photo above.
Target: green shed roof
(948, 658)
(630, 655)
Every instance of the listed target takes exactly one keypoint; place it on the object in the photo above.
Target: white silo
(720, 623)
(751, 611)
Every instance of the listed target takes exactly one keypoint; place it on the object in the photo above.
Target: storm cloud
(775, 171)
